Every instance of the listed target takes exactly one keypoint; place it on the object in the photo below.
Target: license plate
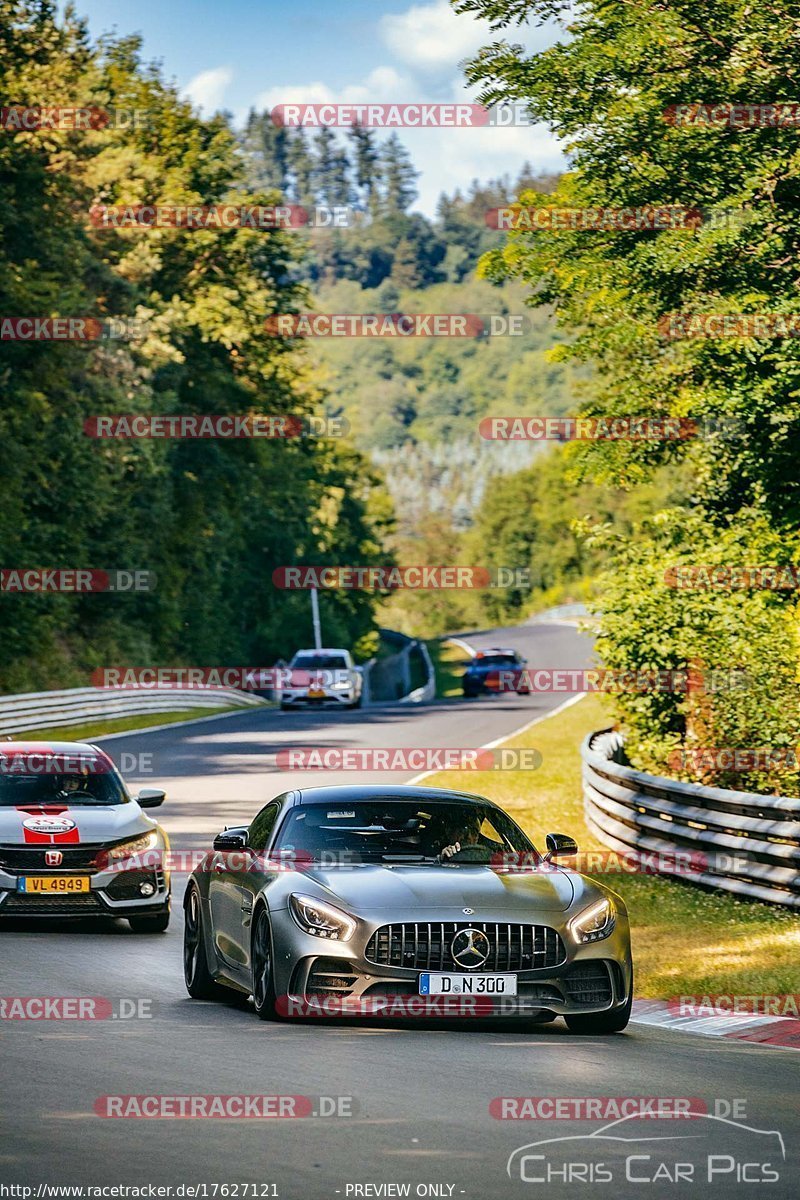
(316, 694)
(47, 884)
(467, 985)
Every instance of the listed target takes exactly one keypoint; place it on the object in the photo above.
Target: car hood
(79, 825)
(404, 889)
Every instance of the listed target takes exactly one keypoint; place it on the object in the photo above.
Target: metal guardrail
(563, 612)
(74, 706)
(739, 842)
(391, 679)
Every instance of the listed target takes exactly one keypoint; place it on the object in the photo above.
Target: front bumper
(340, 696)
(111, 894)
(591, 978)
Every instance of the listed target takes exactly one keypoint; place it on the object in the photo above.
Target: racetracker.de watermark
(35, 118)
(188, 426)
(71, 329)
(396, 325)
(74, 580)
(218, 1106)
(75, 1008)
(724, 325)
(699, 759)
(413, 115)
(600, 679)
(416, 758)
(630, 219)
(17, 761)
(734, 115)
(421, 1007)
(220, 216)
(594, 1108)
(726, 1004)
(606, 429)
(733, 577)
(388, 579)
(690, 863)
(214, 678)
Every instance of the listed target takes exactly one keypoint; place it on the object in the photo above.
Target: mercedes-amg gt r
(351, 895)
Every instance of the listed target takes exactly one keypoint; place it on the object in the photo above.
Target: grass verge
(685, 941)
(96, 729)
(448, 664)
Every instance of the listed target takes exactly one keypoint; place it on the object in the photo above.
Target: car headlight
(137, 846)
(594, 923)
(323, 920)
(342, 685)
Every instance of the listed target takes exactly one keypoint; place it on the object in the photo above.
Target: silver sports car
(404, 901)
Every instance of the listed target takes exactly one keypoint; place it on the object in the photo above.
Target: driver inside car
(466, 833)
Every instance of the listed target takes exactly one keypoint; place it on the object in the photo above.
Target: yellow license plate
(316, 694)
(48, 884)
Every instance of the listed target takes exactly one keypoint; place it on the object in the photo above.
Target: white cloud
(206, 90)
(431, 36)
(382, 84)
(429, 41)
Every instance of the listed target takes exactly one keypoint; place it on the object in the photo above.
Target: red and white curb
(745, 1027)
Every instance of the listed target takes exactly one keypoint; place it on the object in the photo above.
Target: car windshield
(401, 831)
(66, 780)
(319, 662)
(497, 660)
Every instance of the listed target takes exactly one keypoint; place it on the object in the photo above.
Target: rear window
(498, 660)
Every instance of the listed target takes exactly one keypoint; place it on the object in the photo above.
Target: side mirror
(231, 839)
(560, 845)
(151, 797)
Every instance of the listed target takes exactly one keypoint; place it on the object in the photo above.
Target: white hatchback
(317, 677)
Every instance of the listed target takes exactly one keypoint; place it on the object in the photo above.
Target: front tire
(263, 977)
(155, 923)
(200, 984)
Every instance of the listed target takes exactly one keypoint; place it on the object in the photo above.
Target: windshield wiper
(416, 858)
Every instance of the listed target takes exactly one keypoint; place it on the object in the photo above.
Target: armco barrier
(749, 843)
(51, 710)
(393, 678)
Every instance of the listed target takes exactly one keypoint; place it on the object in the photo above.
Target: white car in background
(318, 677)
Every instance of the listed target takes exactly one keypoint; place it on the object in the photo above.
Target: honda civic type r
(337, 898)
(74, 842)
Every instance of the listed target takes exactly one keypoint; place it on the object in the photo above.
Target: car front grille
(588, 983)
(331, 977)
(21, 904)
(425, 946)
(26, 858)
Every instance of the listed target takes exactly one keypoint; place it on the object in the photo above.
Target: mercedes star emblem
(470, 948)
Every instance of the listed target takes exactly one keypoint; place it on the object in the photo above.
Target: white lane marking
(553, 712)
(465, 646)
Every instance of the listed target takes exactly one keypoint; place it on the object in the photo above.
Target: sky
(240, 54)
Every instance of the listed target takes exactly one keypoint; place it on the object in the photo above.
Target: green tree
(399, 177)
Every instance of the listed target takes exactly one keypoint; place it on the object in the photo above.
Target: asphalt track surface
(417, 1101)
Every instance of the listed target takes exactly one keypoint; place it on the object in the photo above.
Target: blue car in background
(483, 673)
